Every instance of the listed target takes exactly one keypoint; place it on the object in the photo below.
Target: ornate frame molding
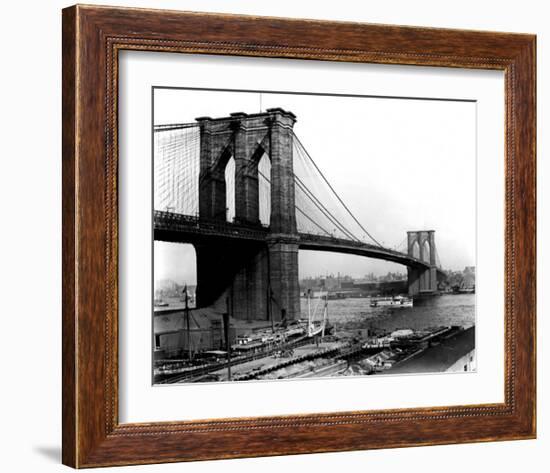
(92, 38)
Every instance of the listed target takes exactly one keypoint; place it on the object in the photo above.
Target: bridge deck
(171, 226)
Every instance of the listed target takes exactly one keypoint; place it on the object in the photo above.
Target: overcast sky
(398, 164)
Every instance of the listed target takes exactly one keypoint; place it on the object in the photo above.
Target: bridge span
(246, 193)
(173, 227)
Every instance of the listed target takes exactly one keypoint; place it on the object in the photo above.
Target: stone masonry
(249, 275)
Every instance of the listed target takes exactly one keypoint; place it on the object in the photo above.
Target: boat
(317, 326)
(396, 301)
(161, 303)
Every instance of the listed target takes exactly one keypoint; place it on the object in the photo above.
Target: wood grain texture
(92, 37)
(68, 255)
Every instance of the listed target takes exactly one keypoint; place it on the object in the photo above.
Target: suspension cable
(319, 205)
(334, 192)
(323, 209)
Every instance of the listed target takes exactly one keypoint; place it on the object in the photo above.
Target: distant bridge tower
(421, 245)
(252, 274)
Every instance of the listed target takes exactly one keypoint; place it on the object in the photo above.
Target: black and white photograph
(301, 235)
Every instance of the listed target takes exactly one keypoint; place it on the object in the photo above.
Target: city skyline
(167, 269)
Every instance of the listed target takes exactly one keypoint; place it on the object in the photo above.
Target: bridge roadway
(174, 227)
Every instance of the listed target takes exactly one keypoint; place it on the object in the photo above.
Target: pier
(305, 357)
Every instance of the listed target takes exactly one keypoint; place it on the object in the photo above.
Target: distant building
(460, 281)
(377, 288)
(469, 275)
(170, 288)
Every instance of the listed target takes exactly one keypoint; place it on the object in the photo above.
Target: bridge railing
(357, 244)
(171, 221)
(333, 239)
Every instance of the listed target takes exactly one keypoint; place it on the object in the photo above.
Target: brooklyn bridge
(245, 192)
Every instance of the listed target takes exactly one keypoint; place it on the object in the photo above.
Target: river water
(355, 315)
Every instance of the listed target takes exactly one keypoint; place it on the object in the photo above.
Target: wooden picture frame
(92, 38)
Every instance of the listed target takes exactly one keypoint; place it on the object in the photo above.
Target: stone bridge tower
(249, 275)
(421, 245)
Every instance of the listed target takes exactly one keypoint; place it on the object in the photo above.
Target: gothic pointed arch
(264, 189)
(229, 178)
(415, 249)
(426, 251)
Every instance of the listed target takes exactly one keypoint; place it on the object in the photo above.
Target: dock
(440, 357)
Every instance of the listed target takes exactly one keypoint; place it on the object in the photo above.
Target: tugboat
(396, 301)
